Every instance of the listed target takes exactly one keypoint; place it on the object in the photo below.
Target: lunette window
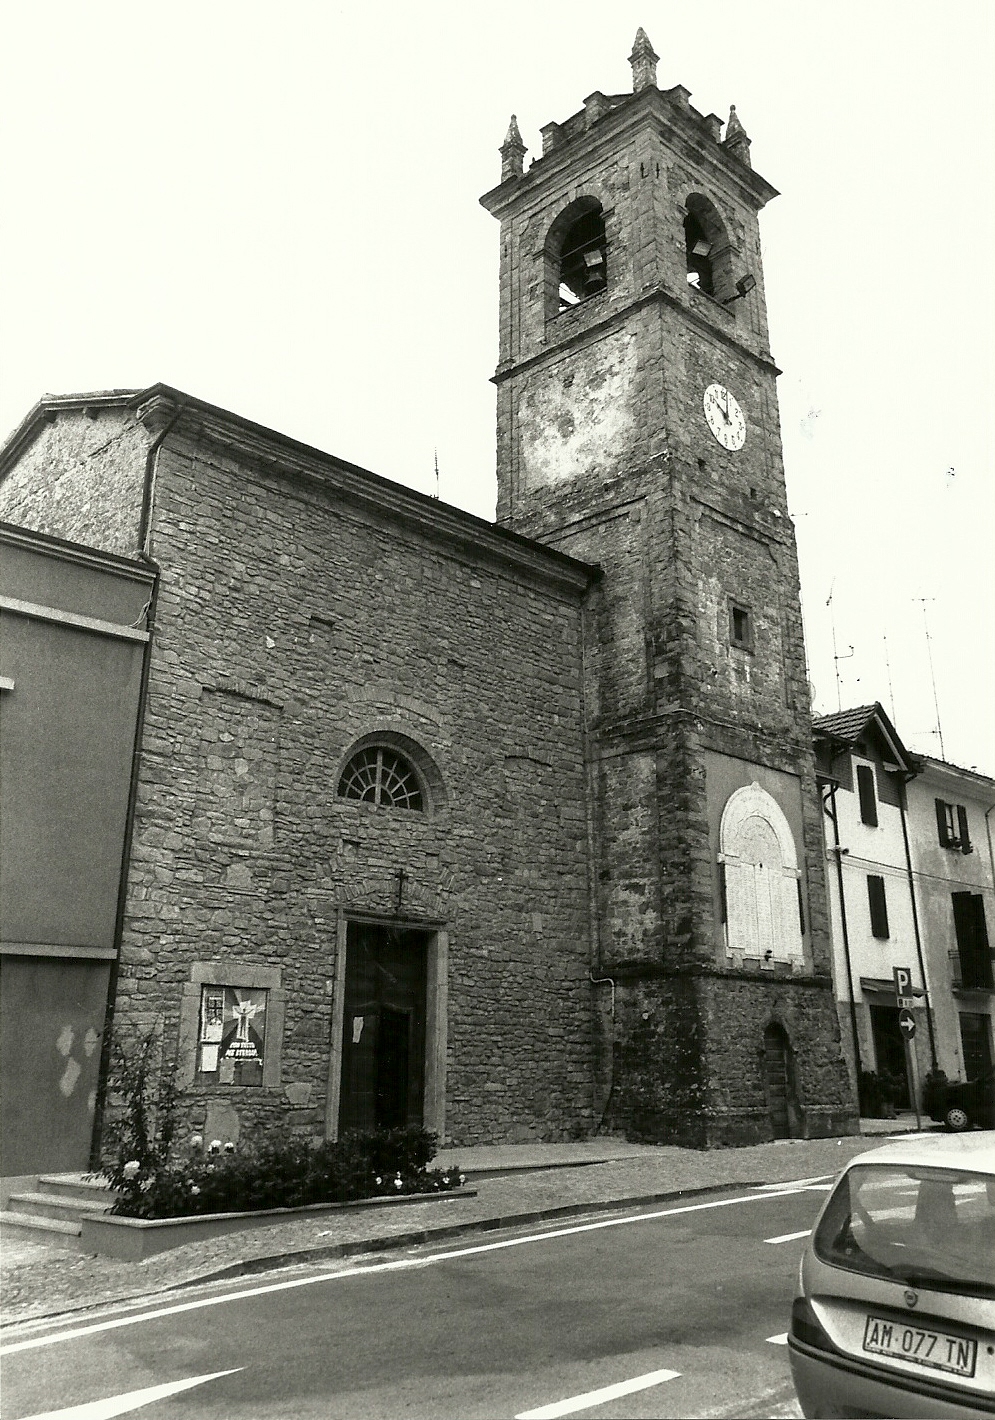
(379, 775)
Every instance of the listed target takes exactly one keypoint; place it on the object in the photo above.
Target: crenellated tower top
(671, 104)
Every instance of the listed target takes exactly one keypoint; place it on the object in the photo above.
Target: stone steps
(53, 1211)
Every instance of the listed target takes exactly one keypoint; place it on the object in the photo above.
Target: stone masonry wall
(81, 479)
(291, 625)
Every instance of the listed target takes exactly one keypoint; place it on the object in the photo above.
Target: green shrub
(281, 1170)
(142, 1097)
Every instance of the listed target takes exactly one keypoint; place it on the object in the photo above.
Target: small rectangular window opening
(740, 627)
(879, 907)
(952, 826)
(868, 795)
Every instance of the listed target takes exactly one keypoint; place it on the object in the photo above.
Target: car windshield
(927, 1227)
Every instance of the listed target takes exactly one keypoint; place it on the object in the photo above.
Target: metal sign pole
(911, 1067)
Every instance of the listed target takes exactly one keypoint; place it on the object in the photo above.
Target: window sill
(598, 298)
(212, 1088)
(714, 302)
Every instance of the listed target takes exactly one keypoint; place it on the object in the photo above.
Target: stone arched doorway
(779, 1086)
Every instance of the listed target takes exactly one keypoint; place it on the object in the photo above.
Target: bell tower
(637, 428)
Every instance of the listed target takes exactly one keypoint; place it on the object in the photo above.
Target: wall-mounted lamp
(744, 286)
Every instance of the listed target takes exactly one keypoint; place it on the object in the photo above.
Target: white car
(895, 1313)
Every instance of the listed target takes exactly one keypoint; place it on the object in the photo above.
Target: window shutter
(723, 898)
(941, 821)
(868, 798)
(972, 940)
(878, 905)
(801, 906)
(964, 833)
(982, 952)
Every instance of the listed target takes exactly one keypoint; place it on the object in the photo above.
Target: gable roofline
(846, 727)
(48, 409)
(160, 405)
(938, 769)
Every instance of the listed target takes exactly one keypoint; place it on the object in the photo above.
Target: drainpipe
(144, 538)
(122, 892)
(915, 923)
(838, 853)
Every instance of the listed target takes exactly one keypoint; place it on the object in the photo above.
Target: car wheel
(956, 1119)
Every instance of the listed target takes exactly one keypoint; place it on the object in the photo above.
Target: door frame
(436, 1016)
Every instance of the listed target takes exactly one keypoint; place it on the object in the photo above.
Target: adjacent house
(74, 642)
(909, 867)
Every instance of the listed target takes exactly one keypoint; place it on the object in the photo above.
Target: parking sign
(903, 987)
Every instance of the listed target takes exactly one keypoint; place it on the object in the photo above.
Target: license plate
(921, 1345)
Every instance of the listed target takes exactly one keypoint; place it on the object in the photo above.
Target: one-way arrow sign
(907, 1024)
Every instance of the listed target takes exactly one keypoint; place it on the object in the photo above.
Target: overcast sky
(274, 208)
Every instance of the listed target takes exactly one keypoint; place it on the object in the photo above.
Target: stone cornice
(615, 317)
(51, 546)
(196, 420)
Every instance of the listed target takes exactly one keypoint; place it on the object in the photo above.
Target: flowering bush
(284, 1171)
(142, 1098)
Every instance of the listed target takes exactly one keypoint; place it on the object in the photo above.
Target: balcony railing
(971, 973)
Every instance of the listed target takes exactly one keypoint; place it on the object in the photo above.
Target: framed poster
(232, 1035)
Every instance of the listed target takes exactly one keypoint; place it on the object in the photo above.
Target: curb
(452, 1230)
(416, 1236)
(273, 1261)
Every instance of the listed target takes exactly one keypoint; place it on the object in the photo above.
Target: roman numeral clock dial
(725, 418)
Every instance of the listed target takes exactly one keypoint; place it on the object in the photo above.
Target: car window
(925, 1226)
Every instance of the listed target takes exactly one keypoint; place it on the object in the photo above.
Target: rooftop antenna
(932, 674)
(436, 493)
(836, 655)
(891, 692)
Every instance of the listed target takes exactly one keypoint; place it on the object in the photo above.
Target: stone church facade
(508, 829)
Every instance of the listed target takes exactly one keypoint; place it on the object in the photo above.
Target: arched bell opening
(576, 256)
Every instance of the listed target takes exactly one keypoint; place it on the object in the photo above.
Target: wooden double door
(383, 1028)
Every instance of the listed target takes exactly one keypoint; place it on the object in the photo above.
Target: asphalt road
(676, 1310)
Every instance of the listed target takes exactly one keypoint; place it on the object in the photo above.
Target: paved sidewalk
(506, 1184)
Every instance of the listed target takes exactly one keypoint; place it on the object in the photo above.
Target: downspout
(915, 923)
(145, 526)
(593, 847)
(838, 852)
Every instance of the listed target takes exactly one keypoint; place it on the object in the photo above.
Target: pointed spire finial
(734, 125)
(736, 139)
(644, 62)
(513, 152)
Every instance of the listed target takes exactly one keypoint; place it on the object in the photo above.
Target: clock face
(725, 418)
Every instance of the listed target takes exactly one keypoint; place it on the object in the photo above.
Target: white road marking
(598, 1397)
(790, 1237)
(344, 1274)
(132, 1400)
(820, 1179)
(781, 1340)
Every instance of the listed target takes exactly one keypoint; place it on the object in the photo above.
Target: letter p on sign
(903, 985)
